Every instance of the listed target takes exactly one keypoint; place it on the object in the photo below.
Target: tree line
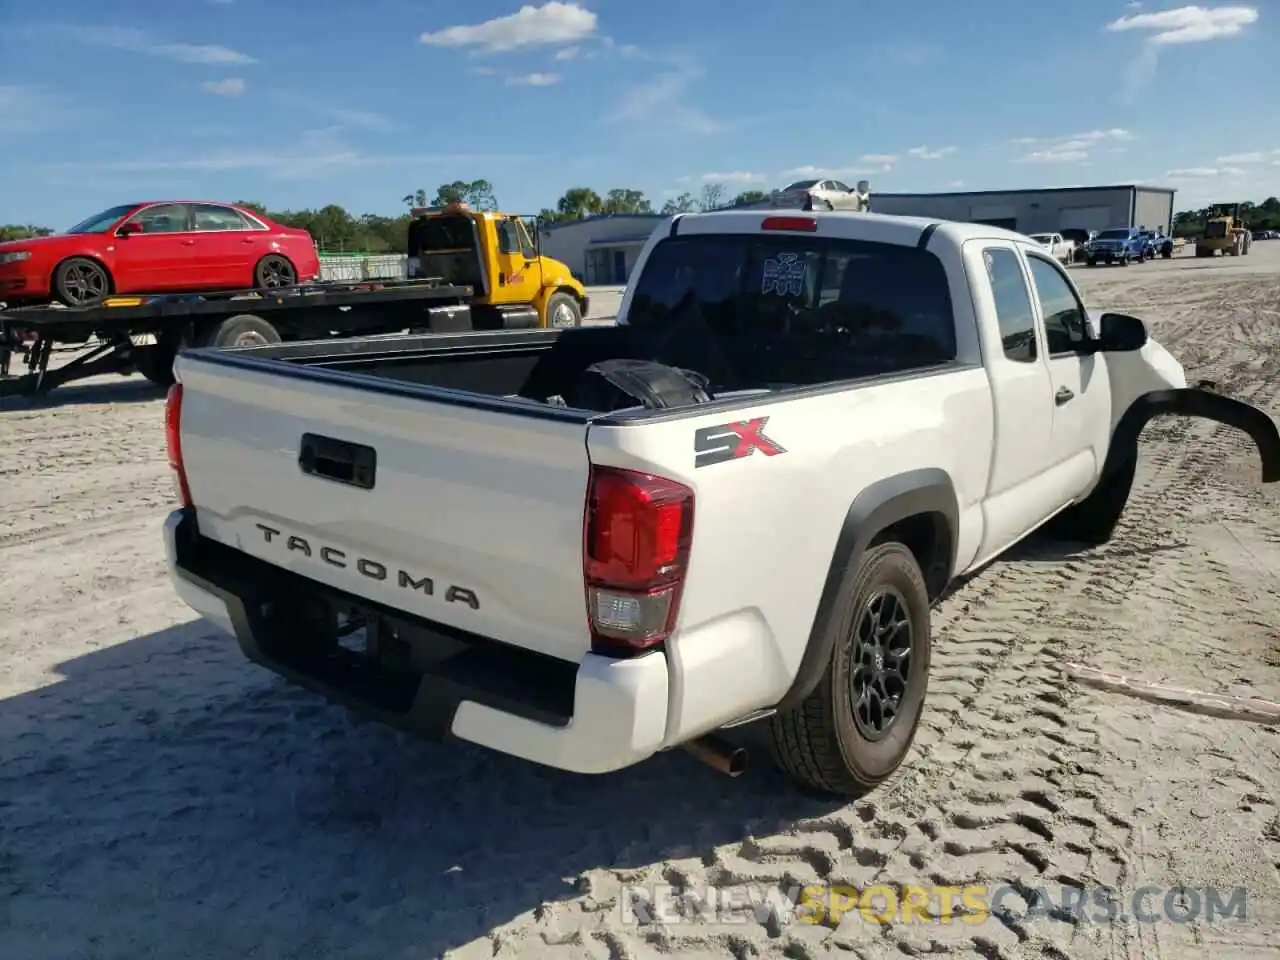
(336, 230)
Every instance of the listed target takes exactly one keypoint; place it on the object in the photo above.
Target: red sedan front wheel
(81, 282)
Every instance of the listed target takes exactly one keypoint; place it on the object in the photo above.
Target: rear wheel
(563, 311)
(81, 282)
(155, 362)
(856, 727)
(242, 330)
(274, 271)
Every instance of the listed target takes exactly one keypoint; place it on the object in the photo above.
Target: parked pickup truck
(1060, 249)
(587, 545)
(1120, 245)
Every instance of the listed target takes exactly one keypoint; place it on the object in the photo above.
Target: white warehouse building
(603, 249)
(1041, 211)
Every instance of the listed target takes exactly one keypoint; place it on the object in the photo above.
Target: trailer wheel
(81, 282)
(155, 362)
(242, 330)
(274, 271)
(563, 311)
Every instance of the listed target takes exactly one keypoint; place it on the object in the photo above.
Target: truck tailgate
(474, 518)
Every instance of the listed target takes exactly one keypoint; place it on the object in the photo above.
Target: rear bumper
(429, 680)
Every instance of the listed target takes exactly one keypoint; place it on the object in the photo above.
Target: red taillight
(803, 224)
(636, 538)
(173, 442)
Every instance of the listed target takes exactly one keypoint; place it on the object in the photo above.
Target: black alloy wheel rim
(84, 283)
(881, 663)
(277, 273)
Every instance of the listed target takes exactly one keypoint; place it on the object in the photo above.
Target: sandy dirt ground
(161, 798)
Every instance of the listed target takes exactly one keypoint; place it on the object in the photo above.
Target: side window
(526, 241)
(1064, 317)
(208, 217)
(1013, 304)
(837, 185)
(162, 218)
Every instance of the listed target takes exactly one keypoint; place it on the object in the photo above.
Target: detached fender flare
(878, 507)
(1195, 402)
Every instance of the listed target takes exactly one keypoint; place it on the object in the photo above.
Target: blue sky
(300, 104)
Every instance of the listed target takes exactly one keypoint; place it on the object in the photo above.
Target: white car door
(1024, 459)
(1081, 390)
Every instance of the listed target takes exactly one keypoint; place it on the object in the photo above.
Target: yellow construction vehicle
(498, 256)
(1224, 230)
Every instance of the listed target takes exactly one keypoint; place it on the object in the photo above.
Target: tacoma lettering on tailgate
(732, 441)
(371, 569)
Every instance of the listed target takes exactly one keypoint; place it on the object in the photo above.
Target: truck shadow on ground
(135, 389)
(165, 797)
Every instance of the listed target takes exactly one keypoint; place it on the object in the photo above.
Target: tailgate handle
(351, 463)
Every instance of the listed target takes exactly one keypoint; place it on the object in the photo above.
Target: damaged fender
(1195, 402)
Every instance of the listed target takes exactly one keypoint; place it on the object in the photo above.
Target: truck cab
(497, 254)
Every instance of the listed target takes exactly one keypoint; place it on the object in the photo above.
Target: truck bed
(543, 372)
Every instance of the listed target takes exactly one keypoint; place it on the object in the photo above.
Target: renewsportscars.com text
(974, 904)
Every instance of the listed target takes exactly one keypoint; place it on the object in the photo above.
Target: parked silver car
(824, 195)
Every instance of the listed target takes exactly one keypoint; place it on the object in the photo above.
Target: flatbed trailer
(144, 333)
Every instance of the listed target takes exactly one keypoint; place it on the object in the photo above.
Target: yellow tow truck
(498, 256)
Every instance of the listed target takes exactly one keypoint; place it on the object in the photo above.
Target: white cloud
(1191, 24)
(1203, 173)
(568, 53)
(1072, 148)
(879, 158)
(737, 176)
(1053, 156)
(662, 104)
(230, 87)
(485, 71)
(1256, 157)
(930, 153)
(139, 41)
(810, 172)
(553, 22)
(954, 184)
(534, 80)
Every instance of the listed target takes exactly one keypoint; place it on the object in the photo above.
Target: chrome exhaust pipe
(718, 755)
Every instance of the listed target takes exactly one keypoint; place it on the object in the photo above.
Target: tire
(1092, 261)
(821, 744)
(155, 362)
(242, 330)
(564, 308)
(1167, 253)
(1093, 520)
(81, 282)
(828, 205)
(274, 271)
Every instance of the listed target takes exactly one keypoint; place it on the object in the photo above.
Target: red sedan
(157, 247)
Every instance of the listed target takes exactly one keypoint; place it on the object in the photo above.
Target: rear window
(801, 185)
(786, 310)
(1114, 235)
(428, 234)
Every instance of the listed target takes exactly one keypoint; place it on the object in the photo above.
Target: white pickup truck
(1060, 248)
(584, 546)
